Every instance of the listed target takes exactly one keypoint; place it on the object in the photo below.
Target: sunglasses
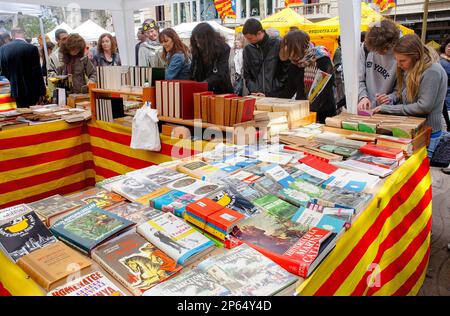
(151, 25)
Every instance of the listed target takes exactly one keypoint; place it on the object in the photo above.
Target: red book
(301, 258)
(203, 208)
(382, 151)
(225, 219)
(318, 164)
(246, 107)
(187, 90)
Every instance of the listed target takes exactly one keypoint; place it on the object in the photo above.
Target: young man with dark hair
(378, 67)
(264, 72)
(54, 59)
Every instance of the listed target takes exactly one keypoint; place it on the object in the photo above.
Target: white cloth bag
(145, 133)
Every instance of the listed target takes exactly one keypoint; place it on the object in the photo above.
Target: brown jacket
(82, 71)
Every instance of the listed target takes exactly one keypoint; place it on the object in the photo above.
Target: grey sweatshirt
(150, 54)
(377, 75)
(430, 100)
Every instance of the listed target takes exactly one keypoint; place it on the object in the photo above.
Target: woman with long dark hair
(175, 55)
(306, 60)
(76, 63)
(210, 54)
(107, 54)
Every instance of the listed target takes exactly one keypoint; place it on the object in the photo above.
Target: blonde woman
(421, 85)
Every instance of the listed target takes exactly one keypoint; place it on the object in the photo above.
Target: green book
(367, 127)
(276, 207)
(294, 196)
(345, 151)
(353, 126)
(306, 187)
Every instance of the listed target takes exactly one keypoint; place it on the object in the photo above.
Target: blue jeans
(434, 141)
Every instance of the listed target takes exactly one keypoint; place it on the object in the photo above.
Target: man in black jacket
(264, 72)
(20, 63)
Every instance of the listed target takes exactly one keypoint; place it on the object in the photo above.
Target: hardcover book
(23, 235)
(339, 197)
(88, 227)
(131, 211)
(52, 263)
(136, 263)
(245, 272)
(92, 284)
(53, 207)
(101, 198)
(12, 212)
(382, 151)
(157, 175)
(175, 237)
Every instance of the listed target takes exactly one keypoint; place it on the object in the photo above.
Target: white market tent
(184, 30)
(90, 31)
(123, 20)
(63, 26)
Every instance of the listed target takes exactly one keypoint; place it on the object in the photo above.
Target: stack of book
(294, 109)
(272, 122)
(108, 109)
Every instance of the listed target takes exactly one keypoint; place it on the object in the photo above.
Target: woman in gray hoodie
(421, 85)
(150, 52)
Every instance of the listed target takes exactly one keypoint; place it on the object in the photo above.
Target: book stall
(283, 206)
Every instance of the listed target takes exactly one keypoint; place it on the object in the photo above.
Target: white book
(364, 167)
(165, 98)
(10, 213)
(171, 99)
(174, 237)
(158, 89)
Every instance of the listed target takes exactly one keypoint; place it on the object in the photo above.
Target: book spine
(40, 276)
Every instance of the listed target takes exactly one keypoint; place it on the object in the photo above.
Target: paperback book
(135, 189)
(158, 175)
(12, 212)
(172, 201)
(54, 207)
(101, 198)
(136, 263)
(232, 199)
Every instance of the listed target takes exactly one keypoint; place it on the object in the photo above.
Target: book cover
(175, 237)
(225, 219)
(306, 187)
(52, 263)
(339, 197)
(294, 196)
(106, 183)
(157, 175)
(352, 180)
(318, 164)
(377, 161)
(23, 235)
(246, 190)
(189, 283)
(89, 226)
(364, 167)
(311, 218)
(136, 263)
(245, 109)
(193, 186)
(198, 103)
(187, 91)
(276, 207)
(101, 198)
(203, 208)
(197, 169)
(135, 189)
(92, 284)
(278, 174)
(232, 199)
(12, 212)
(130, 211)
(170, 200)
(246, 272)
(53, 206)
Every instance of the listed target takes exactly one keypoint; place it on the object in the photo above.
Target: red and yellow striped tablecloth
(6, 102)
(387, 249)
(41, 160)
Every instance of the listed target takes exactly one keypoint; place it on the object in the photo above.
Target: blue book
(172, 201)
(89, 227)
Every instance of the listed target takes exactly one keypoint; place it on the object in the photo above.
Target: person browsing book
(377, 75)
(175, 55)
(307, 61)
(210, 55)
(421, 85)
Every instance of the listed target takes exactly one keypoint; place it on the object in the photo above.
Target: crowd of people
(398, 74)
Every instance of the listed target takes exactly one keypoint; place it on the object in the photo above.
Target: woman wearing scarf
(77, 64)
(307, 61)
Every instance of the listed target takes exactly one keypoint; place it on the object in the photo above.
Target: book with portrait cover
(92, 284)
(135, 189)
(88, 227)
(136, 263)
(175, 237)
(23, 235)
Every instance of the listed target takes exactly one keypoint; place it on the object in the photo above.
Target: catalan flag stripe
(382, 236)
